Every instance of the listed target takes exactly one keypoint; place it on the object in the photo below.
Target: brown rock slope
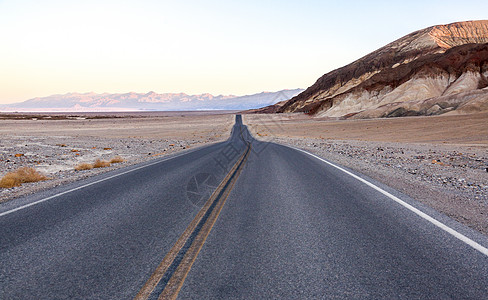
(432, 71)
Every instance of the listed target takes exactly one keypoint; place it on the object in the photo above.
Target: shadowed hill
(432, 71)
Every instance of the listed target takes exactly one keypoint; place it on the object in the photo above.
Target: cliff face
(424, 73)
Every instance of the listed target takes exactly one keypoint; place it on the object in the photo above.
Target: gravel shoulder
(449, 177)
(56, 147)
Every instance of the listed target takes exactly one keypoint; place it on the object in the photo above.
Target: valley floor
(440, 161)
(55, 146)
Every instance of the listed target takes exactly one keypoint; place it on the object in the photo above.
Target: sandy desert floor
(55, 144)
(441, 161)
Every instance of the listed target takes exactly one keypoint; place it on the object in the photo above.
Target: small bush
(117, 159)
(101, 164)
(22, 175)
(83, 166)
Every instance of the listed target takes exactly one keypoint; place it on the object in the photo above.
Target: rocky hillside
(432, 71)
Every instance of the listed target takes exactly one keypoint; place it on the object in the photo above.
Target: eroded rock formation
(457, 34)
(432, 71)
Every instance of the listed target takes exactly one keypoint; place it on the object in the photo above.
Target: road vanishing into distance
(240, 219)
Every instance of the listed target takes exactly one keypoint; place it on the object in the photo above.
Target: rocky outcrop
(457, 34)
(425, 72)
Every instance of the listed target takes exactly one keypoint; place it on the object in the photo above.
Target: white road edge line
(420, 213)
(89, 184)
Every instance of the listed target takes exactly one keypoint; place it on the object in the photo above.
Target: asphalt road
(293, 226)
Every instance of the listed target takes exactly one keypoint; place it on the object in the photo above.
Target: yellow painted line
(176, 281)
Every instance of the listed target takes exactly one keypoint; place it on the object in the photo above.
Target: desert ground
(55, 144)
(441, 161)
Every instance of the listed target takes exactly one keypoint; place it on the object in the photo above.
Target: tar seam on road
(168, 278)
(418, 212)
(91, 183)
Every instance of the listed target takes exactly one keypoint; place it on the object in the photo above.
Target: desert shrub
(101, 164)
(83, 166)
(22, 175)
(117, 159)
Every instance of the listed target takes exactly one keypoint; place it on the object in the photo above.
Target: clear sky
(219, 47)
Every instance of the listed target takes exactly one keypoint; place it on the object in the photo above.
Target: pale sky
(218, 47)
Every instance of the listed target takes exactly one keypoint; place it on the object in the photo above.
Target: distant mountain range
(436, 70)
(87, 102)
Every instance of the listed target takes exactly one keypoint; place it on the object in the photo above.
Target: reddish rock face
(405, 77)
(457, 34)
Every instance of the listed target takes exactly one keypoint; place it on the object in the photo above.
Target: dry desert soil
(55, 144)
(441, 161)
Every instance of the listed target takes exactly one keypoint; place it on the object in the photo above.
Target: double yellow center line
(168, 278)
